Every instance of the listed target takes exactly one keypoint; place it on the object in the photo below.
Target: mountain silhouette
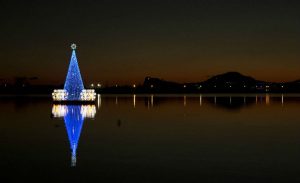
(233, 78)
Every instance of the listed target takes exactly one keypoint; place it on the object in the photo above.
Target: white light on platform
(60, 95)
(88, 95)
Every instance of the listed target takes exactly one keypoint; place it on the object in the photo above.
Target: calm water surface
(152, 138)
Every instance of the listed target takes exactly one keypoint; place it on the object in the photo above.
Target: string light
(73, 84)
(74, 88)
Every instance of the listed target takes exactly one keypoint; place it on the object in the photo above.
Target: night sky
(124, 41)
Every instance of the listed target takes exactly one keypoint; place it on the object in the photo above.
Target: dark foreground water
(166, 138)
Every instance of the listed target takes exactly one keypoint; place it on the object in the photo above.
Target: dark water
(166, 138)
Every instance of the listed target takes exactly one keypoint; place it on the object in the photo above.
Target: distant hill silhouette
(155, 84)
(230, 81)
(233, 82)
(231, 78)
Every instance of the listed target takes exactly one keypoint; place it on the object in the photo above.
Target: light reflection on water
(153, 138)
(74, 116)
(225, 101)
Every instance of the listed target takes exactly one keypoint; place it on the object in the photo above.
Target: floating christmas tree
(73, 83)
(73, 91)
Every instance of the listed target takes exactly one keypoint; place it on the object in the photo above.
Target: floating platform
(60, 96)
(74, 102)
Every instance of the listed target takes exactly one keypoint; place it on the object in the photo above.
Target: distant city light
(92, 85)
(151, 86)
(99, 85)
(184, 86)
(134, 86)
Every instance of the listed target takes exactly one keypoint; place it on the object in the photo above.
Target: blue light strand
(73, 122)
(73, 83)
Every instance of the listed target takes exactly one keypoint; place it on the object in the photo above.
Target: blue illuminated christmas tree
(73, 122)
(73, 83)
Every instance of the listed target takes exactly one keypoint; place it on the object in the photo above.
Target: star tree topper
(73, 46)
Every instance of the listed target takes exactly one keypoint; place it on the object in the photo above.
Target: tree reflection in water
(73, 116)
